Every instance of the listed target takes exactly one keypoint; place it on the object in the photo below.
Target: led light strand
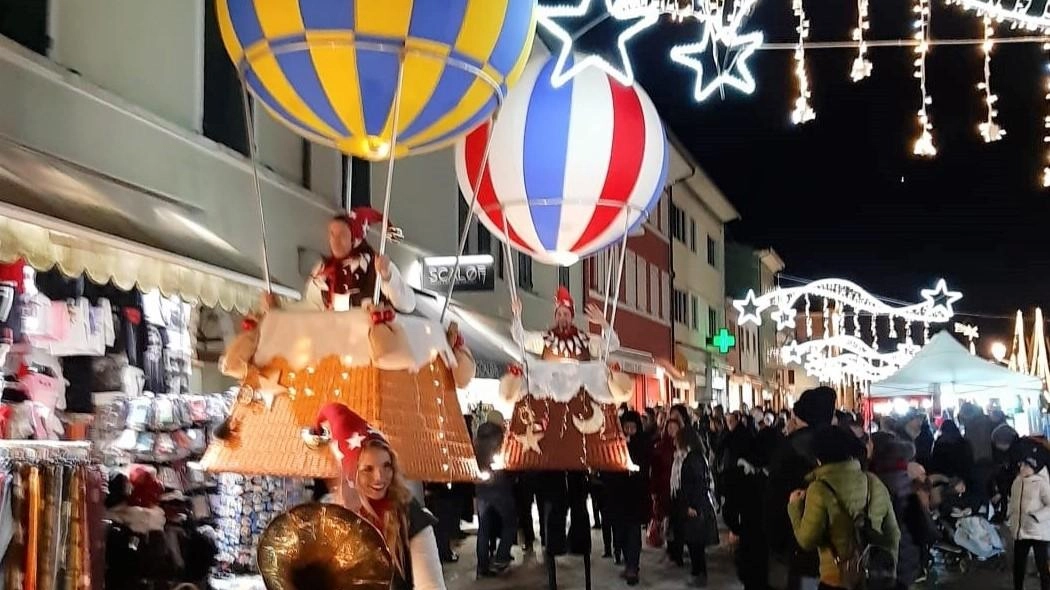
(803, 111)
(924, 144)
(809, 318)
(1046, 117)
(862, 66)
(990, 129)
(936, 306)
(1020, 16)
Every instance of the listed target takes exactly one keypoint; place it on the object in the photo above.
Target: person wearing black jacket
(630, 493)
(693, 521)
(744, 483)
(790, 465)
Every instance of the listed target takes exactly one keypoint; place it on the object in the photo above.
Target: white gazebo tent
(945, 369)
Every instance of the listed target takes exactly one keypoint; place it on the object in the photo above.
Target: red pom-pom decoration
(382, 316)
(249, 324)
(516, 370)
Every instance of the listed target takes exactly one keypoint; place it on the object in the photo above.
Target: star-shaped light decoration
(789, 353)
(530, 440)
(749, 309)
(785, 318)
(722, 55)
(567, 67)
(941, 299)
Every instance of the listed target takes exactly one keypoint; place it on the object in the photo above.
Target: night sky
(829, 195)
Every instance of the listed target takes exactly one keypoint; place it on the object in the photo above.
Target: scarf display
(46, 521)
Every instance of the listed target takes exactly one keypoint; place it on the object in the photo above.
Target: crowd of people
(801, 493)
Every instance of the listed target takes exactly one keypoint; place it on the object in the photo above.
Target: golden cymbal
(323, 547)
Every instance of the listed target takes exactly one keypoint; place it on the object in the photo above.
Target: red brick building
(643, 317)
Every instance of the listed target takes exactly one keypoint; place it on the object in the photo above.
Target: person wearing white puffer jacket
(1029, 519)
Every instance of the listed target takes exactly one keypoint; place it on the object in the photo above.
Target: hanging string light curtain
(924, 144)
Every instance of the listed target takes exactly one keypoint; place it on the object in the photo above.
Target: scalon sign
(474, 273)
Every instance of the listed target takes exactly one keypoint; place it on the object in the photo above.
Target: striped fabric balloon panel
(329, 68)
(571, 169)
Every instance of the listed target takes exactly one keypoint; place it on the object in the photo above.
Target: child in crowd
(1029, 519)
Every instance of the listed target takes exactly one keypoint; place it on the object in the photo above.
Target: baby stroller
(967, 536)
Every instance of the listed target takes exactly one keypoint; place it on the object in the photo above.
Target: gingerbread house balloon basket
(566, 417)
(403, 384)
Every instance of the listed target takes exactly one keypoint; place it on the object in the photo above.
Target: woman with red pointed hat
(372, 486)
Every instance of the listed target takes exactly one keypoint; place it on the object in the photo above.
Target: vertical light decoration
(862, 66)
(893, 327)
(803, 111)
(809, 318)
(990, 129)
(1046, 117)
(827, 325)
(924, 144)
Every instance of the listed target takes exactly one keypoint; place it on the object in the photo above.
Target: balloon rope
(249, 130)
(390, 168)
(616, 297)
(470, 217)
(515, 302)
(608, 281)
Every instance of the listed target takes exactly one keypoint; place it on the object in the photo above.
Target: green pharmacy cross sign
(724, 341)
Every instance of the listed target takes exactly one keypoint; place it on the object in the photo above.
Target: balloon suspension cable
(390, 168)
(471, 214)
(515, 302)
(249, 130)
(607, 336)
(608, 282)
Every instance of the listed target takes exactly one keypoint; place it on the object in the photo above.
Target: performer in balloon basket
(563, 340)
(346, 278)
(564, 491)
(373, 486)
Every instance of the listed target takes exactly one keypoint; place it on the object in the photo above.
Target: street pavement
(657, 573)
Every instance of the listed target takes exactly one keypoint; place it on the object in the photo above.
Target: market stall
(945, 373)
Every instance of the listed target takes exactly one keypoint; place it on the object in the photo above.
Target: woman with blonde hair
(373, 487)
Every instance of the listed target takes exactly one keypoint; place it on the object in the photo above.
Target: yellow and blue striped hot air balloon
(328, 69)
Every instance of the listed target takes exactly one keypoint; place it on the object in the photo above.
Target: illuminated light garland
(1019, 16)
(970, 332)
(840, 354)
(936, 307)
(990, 129)
(642, 18)
(1046, 117)
(736, 74)
(809, 318)
(924, 144)
(803, 111)
(854, 358)
(1019, 349)
(862, 66)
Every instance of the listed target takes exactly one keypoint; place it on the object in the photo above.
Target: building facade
(643, 306)
(756, 378)
(698, 214)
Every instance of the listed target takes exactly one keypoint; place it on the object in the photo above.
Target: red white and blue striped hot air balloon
(570, 169)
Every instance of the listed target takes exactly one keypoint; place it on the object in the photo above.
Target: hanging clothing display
(50, 516)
